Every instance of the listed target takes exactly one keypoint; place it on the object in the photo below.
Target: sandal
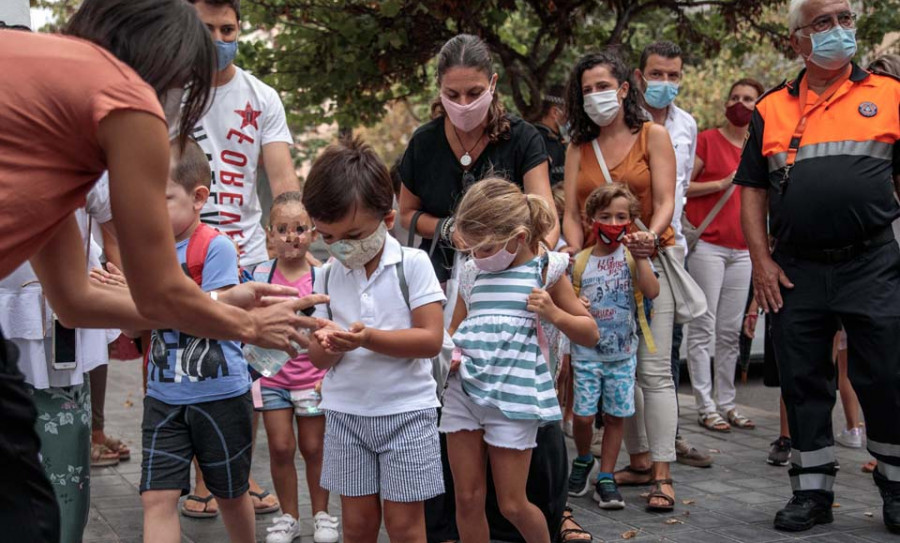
(714, 422)
(118, 446)
(657, 492)
(102, 456)
(205, 513)
(264, 509)
(574, 532)
(630, 471)
(740, 421)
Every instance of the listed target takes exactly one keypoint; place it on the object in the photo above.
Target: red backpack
(197, 249)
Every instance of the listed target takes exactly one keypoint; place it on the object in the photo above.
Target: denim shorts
(305, 403)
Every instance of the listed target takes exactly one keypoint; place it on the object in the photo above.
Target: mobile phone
(63, 342)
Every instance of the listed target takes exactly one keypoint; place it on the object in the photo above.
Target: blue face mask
(833, 48)
(225, 53)
(659, 94)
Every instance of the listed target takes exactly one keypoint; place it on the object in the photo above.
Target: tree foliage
(348, 59)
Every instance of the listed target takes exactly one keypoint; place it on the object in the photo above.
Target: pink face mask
(468, 117)
(498, 261)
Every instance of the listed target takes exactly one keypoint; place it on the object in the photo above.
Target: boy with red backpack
(198, 399)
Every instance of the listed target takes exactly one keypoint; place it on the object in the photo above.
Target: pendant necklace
(466, 159)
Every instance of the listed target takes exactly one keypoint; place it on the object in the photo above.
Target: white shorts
(460, 413)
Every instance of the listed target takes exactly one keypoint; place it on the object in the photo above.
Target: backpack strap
(198, 247)
(401, 278)
(640, 303)
(264, 271)
(581, 261)
(326, 269)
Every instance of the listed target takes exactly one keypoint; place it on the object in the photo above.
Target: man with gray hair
(823, 160)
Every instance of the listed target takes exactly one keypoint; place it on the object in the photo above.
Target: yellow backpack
(643, 305)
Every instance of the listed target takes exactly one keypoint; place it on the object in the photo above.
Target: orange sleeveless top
(634, 171)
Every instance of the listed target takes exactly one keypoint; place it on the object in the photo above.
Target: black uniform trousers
(863, 294)
(28, 509)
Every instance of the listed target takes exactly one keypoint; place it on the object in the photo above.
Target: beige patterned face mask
(356, 253)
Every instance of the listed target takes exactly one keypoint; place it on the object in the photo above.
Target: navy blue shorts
(219, 433)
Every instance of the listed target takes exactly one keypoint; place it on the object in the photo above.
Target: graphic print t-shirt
(608, 286)
(184, 369)
(246, 114)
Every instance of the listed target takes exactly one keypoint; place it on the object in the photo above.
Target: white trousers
(655, 420)
(724, 276)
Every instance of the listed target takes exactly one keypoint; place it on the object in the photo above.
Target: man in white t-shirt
(245, 122)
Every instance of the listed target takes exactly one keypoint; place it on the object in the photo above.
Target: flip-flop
(265, 509)
(119, 446)
(102, 456)
(658, 493)
(199, 514)
(634, 471)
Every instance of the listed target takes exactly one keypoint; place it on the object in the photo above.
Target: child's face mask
(610, 234)
(498, 261)
(356, 253)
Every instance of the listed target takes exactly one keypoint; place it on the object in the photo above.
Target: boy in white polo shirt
(381, 440)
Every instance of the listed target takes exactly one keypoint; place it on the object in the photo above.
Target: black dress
(431, 171)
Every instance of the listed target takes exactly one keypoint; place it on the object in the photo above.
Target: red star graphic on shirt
(248, 116)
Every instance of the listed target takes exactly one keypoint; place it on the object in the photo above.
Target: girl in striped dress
(503, 389)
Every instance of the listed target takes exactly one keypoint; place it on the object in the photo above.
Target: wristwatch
(655, 239)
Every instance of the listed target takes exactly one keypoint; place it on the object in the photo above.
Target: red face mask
(610, 234)
(738, 114)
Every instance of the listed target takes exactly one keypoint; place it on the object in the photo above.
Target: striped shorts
(396, 456)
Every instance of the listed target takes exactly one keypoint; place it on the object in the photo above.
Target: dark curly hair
(470, 51)
(583, 129)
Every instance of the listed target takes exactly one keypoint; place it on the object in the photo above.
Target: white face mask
(602, 107)
(356, 253)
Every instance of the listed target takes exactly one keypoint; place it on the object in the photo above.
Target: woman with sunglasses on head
(75, 106)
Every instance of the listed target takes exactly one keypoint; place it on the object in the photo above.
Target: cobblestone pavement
(735, 500)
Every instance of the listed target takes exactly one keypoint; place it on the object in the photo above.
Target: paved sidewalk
(734, 500)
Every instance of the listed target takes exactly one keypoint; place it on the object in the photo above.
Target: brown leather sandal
(657, 492)
(630, 471)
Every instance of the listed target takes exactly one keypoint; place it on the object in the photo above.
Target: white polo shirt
(364, 382)
(682, 130)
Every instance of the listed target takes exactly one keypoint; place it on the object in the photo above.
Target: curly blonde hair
(495, 211)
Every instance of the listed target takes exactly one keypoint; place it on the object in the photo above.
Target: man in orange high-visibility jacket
(823, 160)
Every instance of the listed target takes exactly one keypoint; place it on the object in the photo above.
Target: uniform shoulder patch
(868, 109)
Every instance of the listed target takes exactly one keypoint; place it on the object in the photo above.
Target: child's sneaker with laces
(606, 494)
(581, 476)
(284, 529)
(326, 528)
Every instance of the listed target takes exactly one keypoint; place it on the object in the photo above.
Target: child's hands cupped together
(348, 340)
(540, 302)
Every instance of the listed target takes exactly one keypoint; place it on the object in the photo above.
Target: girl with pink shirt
(293, 393)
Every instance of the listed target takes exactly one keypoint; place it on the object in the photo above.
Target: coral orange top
(54, 92)
(634, 171)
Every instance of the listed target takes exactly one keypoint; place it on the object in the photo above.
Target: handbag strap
(715, 210)
(601, 161)
(412, 227)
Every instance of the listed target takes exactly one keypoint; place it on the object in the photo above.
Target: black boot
(890, 493)
(806, 509)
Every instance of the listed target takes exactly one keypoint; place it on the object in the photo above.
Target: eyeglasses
(300, 230)
(847, 19)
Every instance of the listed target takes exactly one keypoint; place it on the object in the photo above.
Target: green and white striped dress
(502, 365)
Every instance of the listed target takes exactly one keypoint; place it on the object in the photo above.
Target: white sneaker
(326, 528)
(284, 530)
(850, 438)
